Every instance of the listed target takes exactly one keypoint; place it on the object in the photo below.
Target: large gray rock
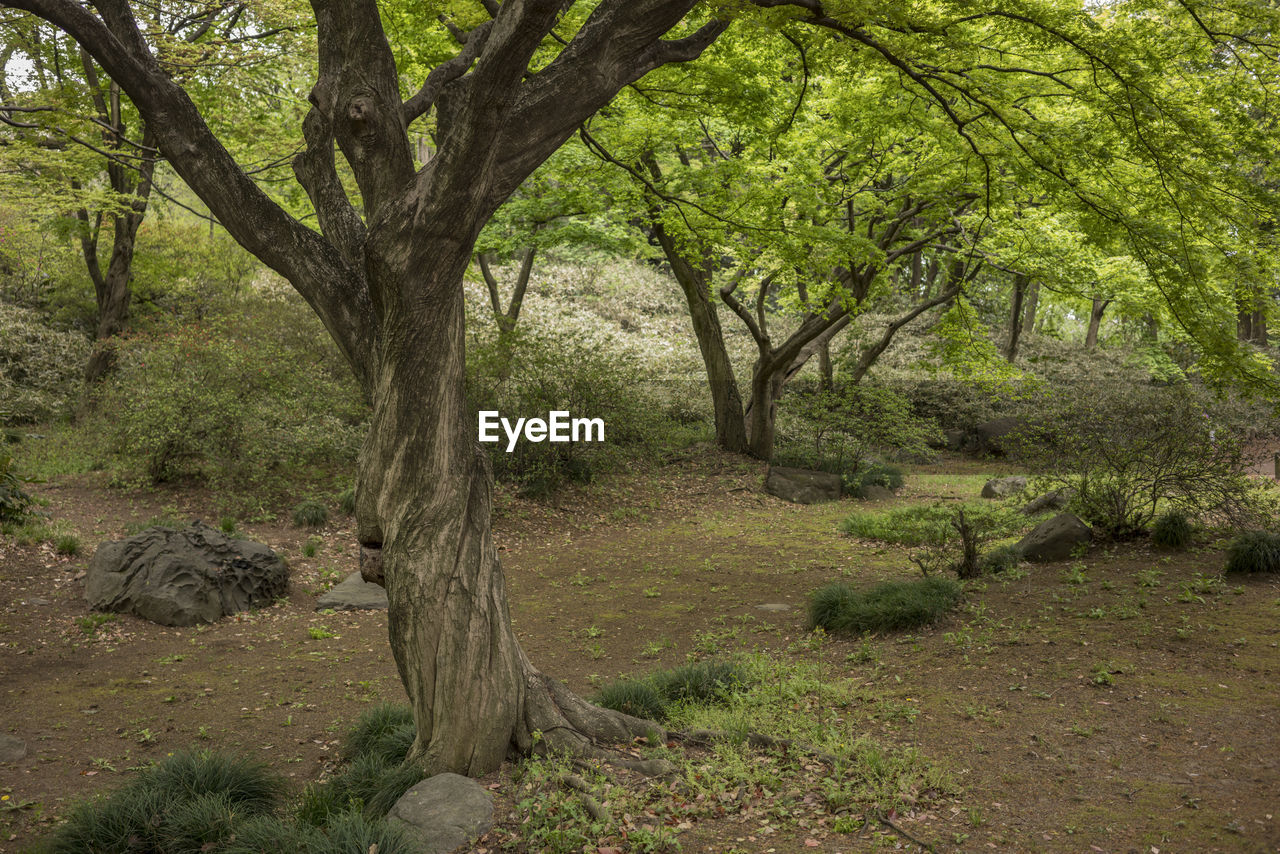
(993, 437)
(1054, 539)
(12, 748)
(184, 576)
(354, 594)
(445, 812)
(802, 486)
(1003, 487)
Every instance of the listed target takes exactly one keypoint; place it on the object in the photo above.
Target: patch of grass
(925, 524)
(635, 697)
(697, 683)
(386, 731)
(1254, 552)
(227, 524)
(1001, 559)
(890, 606)
(1172, 530)
(67, 544)
(311, 546)
(310, 514)
(347, 501)
(164, 520)
(90, 623)
(320, 632)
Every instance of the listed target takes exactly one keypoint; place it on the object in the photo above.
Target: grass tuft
(634, 697)
(310, 514)
(1172, 530)
(385, 731)
(347, 501)
(1254, 552)
(891, 606)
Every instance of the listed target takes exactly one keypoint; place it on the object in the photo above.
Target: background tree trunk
(1095, 322)
(1016, 315)
(1033, 302)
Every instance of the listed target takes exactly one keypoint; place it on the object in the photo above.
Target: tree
(386, 279)
(77, 126)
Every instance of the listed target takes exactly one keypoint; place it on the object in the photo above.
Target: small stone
(445, 812)
(1055, 539)
(36, 601)
(875, 492)
(12, 748)
(354, 594)
(773, 606)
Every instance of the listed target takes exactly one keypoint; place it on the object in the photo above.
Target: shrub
(386, 731)
(536, 370)
(227, 402)
(1128, 452)
(310, 514)
(1254, 552)
(265, 833)
(373, 784)
(840, 431)
(1001, 559)
(41, 369)
(14, 502)
(926, 524)
(1172, 530)
(890, 606)
(67, 544)
(249, 786)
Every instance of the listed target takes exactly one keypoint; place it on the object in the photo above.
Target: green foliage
(229, 402)
(310, 514)
(385, 731)
(14, 501)
(1172, 530)
(1001, 559)
(841, 431)
(1255, 552)
(889, 606)
(652, 698)
(190, 801)
(347, 501)
(67, 544)
(1130, 453)
(927, 524)
(41, 368)
(636, 697)
(535, 370)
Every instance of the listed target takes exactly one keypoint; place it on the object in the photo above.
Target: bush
(841, 431)
(1254, 552)
(1128, 452)
(14, 501)
(929, 524)
(533, 371)
(1001, 559)
(41, 369)
(347, 501)
(890, 606)
(1172, 530)
(189, 801)
(310, 514)
(229, 403)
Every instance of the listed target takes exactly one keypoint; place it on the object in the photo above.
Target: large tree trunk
(766, 384)
(424, 499)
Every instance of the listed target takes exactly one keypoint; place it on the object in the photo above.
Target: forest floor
(1123, 702)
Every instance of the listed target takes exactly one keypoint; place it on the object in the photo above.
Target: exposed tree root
(885, 820)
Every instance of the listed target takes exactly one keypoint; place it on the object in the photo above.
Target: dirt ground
(1125, 702)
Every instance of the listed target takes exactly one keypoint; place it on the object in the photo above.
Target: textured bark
(1016, 315)
(726, 400)
(1033, 303)
(1095, 322)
